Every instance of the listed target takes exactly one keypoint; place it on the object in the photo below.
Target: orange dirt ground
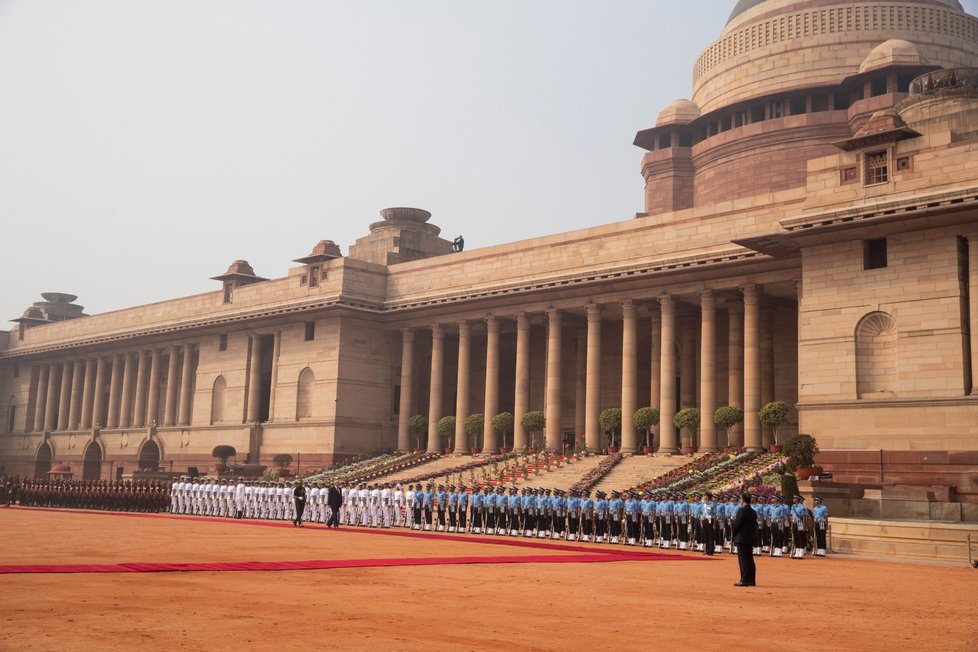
(837, 603)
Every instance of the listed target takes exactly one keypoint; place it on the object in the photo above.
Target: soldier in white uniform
(386, 505)
(312, 503)
(409, 507)
(240, 496)
(375, 507)
(351, 506)
(397, 500)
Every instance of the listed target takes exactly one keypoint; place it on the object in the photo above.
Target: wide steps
(434, 466)
(636, 469)
(562, 477)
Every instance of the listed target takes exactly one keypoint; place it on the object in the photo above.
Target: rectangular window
(874, 253)
(685, 138)
(16, 369)
(877, 168)
(222, 343)
(757, 113)
(878, 87)
(796, 105)
(665, 141)
(313, 277)
(11, 418)
(228, 293)
(310, 331)
(774, 109)
(840, 101)
(848, 175)
(820, 103)
(303, 279)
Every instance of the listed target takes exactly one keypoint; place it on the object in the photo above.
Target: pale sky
(146, 144)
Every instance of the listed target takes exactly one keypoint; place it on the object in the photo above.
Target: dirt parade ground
(103, 581)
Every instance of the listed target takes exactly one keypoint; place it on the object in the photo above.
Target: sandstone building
(810, 234)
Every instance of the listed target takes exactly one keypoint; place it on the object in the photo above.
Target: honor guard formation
(700, 522)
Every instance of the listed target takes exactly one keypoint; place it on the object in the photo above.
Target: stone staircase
(434, 466)
(563, 477)
(636, 469)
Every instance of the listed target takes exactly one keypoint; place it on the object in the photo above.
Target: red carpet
(584, 553)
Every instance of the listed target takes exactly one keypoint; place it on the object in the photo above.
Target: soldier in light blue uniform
(526, 512)
(647, 506)
(442, 497)
(453, 508)
(633, 514)
(763, 532)
(821, 515)
(478, 502)
(555, 515)
(707, 517)
(573, 516)
(799, 527)
(513, 512)
(587, 516)
(666, 520)
(615, 507)
(543, 513)
(428, 505)
(418, 507)
(601, 518)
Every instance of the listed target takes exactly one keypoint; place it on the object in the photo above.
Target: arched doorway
(92, 469)
(42, 464)
(149, 457)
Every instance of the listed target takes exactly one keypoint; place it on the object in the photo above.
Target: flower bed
(369, 468)
(594, 476)
(460, 469)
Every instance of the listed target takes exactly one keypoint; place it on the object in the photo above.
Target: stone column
(142, 390)
(115, 392)
(186, 386)
(404, 405)
(153, 393)
(77, 385)
(462, 384)
(580, 389)
(629, 376)
(51, 400)
(972, 308)
(521, 404)
(767, 369)
(88, 394)
(435, 393)
(687, 373)
(708, 371)
(592, 391)
(490, 438)
(752, 367)
(254, 381)
(667, 364)
(64, 396)
(172, 372)
(41, 396)
(273, 382)
(655, 386)
(552, 403)
(128, 383)
(735, 368)
(98, 402)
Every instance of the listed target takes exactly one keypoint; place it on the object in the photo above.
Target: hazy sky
(145, 145)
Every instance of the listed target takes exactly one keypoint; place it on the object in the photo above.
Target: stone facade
(810, 235)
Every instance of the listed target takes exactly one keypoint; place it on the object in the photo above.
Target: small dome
(405, 214)
(58, 297)
(895, 52)
(327, 247)
(240, 267)
(680, 112)
(33, 313)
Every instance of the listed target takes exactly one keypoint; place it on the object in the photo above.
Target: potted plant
(501, 424)
(644, 419)
(773, 415)
(417, 426)
(446, 430)
(801, 450)
(610, 422)
(688, 419)
(282, 461)
(223, 453)
(473, 425)
(726, 417)
(534, 423)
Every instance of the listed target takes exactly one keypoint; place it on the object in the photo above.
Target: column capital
(437, 330)
(492, 324)
(593, 312)
(708, 300)
(553, 315)
(407, 334)
(667, 304)
(629, 309)
(464, 327)
(751, 293)
(522, 320)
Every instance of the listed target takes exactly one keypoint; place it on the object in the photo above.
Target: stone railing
(939, 80)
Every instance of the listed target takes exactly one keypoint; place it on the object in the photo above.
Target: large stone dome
(772, 47)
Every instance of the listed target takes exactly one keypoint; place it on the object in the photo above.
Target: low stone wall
(946, 542)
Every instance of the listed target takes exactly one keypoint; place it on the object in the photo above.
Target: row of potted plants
(373, 467)
(594, 476)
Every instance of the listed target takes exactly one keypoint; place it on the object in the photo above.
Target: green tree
(446, 429)
(610, 422)
(801, 450)
(417, 426)
(728, 416)
(502, 423)
(473, 426)
(688, 419)
(774, 414)
(644, 419)
(534, 423)
(282, 461)
(224, 452)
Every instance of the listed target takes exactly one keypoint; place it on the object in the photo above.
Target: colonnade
(750, 372)
(118, 390)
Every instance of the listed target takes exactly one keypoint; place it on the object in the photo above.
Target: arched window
(303, 401)
(876, 356)
(42, 463)
(218, 398)
(149, 456)
(92, 465)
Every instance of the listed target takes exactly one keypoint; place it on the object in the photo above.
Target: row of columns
(72, 395)
(745, 388)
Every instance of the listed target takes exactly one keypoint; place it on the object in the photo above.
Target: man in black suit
(334, 500)
(744, 531)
